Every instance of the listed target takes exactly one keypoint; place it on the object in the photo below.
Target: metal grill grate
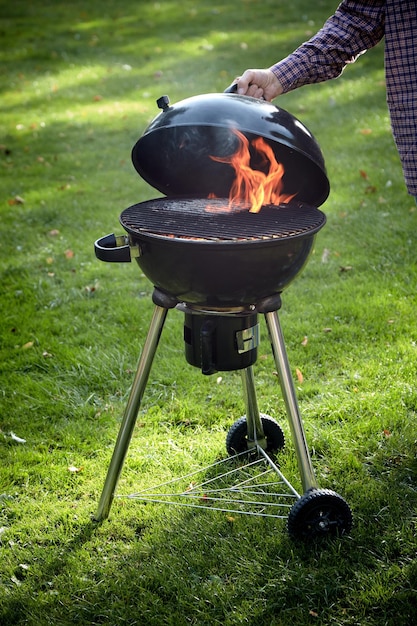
(203, 219)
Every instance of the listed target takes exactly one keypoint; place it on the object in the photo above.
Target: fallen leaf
(24, 566)
(325, 256)
(16, 200)
(54, 232)
(387, 433)
(363, 174)
(304, 341)
(346, 268)
(97, 98)
(300, 376)
(366, 131)
(75, 470)
(69, 254)
(16, 438)
(27, 345)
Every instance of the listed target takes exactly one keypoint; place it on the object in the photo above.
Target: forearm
(354, 28)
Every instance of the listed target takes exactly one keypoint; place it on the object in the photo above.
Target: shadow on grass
(156, 565)
(24, 608)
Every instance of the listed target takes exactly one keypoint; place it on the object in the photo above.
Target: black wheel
(319, 513)
(237, 437)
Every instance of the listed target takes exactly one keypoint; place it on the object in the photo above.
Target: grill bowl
(221, 259)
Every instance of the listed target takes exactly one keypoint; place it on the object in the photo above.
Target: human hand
(259, 84)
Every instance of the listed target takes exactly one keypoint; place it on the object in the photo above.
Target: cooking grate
(209, 219)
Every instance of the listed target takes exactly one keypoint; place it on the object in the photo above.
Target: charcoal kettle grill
(222, 266)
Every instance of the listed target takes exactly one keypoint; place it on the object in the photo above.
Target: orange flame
(252, 187)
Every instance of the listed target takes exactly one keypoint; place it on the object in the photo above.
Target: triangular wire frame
(240, 484)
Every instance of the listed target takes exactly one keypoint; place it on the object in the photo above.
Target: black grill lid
(209, 220)
(174, 153)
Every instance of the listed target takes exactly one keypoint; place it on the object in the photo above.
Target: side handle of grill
(112, 249)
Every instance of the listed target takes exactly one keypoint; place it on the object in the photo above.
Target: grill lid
(174, 153)
(203, 220)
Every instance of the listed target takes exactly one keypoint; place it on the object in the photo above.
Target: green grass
(79, 83)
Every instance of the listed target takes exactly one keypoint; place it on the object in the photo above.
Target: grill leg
(255, 431)
(288, 391)
(131, 412)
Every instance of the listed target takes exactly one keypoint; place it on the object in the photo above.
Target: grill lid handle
(113, 249)
(163, 103)
(231, 88)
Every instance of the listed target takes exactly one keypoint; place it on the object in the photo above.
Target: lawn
(79, 83)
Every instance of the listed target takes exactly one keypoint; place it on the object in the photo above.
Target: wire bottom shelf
(239, 484)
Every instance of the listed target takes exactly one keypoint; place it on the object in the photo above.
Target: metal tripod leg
(131, 412)
(288, 391)
(255, 431)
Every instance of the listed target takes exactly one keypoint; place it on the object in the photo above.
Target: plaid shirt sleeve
(354, 28)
